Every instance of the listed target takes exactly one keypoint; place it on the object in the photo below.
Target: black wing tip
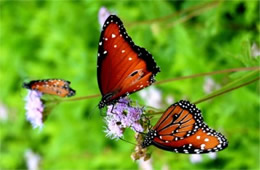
(72, 92)
(142, 52)
(111, 18)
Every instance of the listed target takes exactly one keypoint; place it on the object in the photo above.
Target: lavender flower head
(103, 14)
(32, 160)
(195, 158)
(34, 108)
(121, 116)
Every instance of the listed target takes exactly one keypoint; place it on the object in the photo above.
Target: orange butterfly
(181, 129)
(122, 67)
(57, 87)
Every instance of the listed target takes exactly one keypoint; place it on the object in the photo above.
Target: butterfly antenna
(127, 141)
(92, 111)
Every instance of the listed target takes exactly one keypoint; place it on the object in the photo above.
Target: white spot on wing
(129, 58)
(123, 51)
(206, 139)
(202, 146)
(105, 52)
(113, 35)
(115, 46)
(198, 137)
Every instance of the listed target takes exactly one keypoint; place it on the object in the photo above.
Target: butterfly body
(57, 87)
(123, 67)
(181, 129)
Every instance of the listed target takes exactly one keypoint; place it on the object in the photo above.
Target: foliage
(59, 39)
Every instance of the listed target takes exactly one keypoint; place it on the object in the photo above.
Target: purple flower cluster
(121, 116)
(34, 108)
(103, 14)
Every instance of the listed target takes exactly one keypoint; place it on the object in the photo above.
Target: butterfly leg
(113, 107)
(121, 102)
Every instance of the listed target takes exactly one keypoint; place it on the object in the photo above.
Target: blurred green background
(59, 39)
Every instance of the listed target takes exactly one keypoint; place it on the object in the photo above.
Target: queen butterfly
(122, 66)
(51, 86)
(181, 129)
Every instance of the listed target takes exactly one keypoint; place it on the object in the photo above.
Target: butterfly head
(106, 100)
(101, 104)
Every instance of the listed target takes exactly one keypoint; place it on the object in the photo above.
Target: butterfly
(122, 67)
(57, 87)
(181, 129)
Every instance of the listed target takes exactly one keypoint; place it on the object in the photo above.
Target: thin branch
(225, 91)
(81, 98)
(181, 12)
(189, 16)
(207, 74)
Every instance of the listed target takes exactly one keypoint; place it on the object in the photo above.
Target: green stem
(81, 98)
(225, 91)
(192, 9)
(231, 84)
(207, 74)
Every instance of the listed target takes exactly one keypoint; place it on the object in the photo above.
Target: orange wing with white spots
(57, 87)
(181, 129)
(122, 67)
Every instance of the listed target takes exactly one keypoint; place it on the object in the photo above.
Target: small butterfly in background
(122, 67)
(57, 87)
(181, 129)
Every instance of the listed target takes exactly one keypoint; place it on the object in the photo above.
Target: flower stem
(81, 98)
(235, 82)
(194, 9)
(225, 91)
(207, 74)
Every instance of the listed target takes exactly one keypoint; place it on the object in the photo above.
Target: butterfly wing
(123, 67)
(181, 129)
(57, 87)
(204, 140)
